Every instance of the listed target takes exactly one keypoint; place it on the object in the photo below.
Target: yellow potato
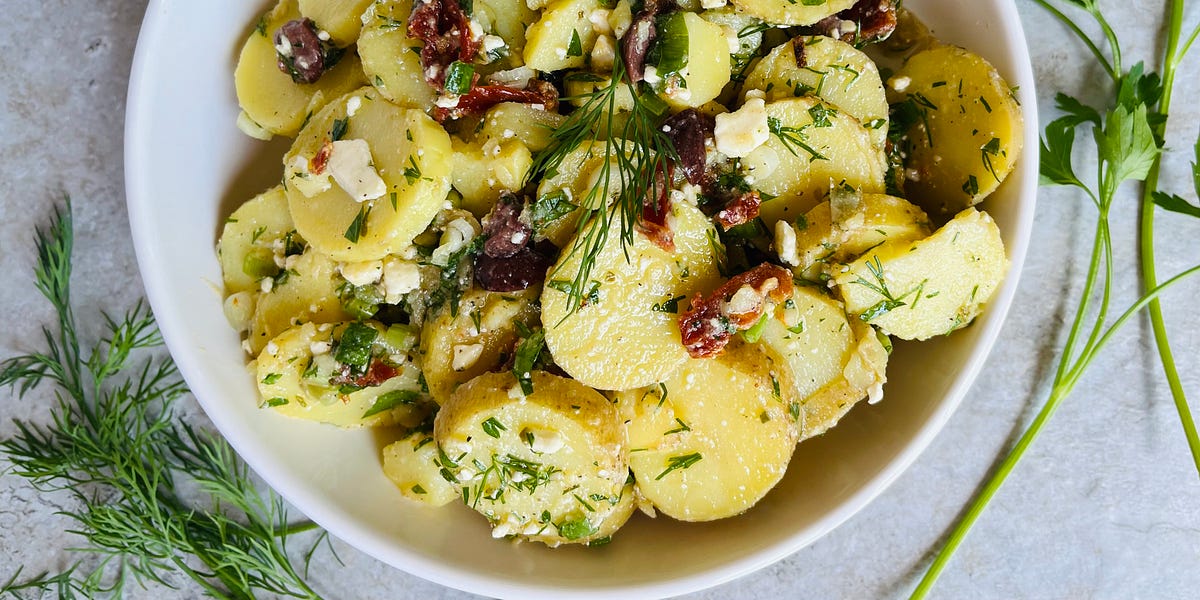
(549, 466)
(862, 376)
(965, 128)
(917, 290)
(707, 69)
(713, 439)
(834, 71)
(340, 18)
(268, 97)
(812, 336)
(839, 230)
(481, 334)
(409, 151)
(248, 239)
(508, 19)
(627, 333)
(481, 172)
(391, 60)
(522, 122)
(307, 294)
(296, 382)
(411, 464)
(812, 147)
(562, 37)
(790, 12)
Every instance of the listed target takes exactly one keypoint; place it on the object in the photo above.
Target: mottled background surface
(1106, 504)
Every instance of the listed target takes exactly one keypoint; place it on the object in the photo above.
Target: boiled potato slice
(481, 172)
(707, 69)
(268, 96)
(457, 347)
(790, 12)
(248, 238)
(862, 376)
(916, 290)
(391, 60)
(550, 43)
(713, 439)
(409, 151)
(965, 131)
(842, 228)
(509, 19)
(813, 337)
(307, 293)
(549, 466)
(812, 146)
(833, 70)
(340, 18)
(626, 335)
(512, 120)
(296, 382)
(411, 464)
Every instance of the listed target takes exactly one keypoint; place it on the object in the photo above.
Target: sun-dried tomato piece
(320, 160)
(873, 20)
(483, 97)
(742, 209)
(377, 373)
(689, 132)
(446, 31)
(737, 305)
(656, 207)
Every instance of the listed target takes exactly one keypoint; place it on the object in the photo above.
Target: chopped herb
(277, 401)
(354, 349)
(271, 378)
(358, 227)
(493, 427)
(681, 428)
(338, 131)
(391, 400)
(667, 306)
(417, 489)
(576, 529)
(549, 208)
(575, 47)
(679, 462)
(792, 138)
(527, 355)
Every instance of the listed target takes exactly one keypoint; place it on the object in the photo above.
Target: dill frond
(115, 444)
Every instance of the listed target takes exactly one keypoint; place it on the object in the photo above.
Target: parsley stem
(1062, 388)
(1149, 277)
(1084, 303)
(1100, 58)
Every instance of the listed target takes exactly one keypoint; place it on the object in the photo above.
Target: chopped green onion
(459, 76)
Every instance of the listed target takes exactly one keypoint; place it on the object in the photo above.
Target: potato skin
(965, 136)
(549, 466)
(787, 12)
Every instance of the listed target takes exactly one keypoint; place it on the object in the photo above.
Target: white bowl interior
(188, 167)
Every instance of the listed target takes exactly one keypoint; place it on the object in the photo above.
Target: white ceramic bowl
(187, 167)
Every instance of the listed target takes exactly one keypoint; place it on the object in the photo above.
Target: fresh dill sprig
(1129, 139)
(115, 444)
(631, 144)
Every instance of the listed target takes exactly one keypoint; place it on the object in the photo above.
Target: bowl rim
(138, 192)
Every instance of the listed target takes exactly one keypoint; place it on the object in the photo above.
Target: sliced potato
(456, 348)
(813, 337)
(307, 294)
(508, 19)
(513, 120)
(551, 42)
(295, 382)
(391, 60)
(340, 18)
(965, 132)
(707, 69)
(626, 335)
(482, 172)
(834, 71)
(713, 439)
(411, 464)
(549, 466)
(409, 151)
(812, 147)
(862, 376)
(917, 290)
(790, 12)
(246, 247)
(842, 228)
(268, 96)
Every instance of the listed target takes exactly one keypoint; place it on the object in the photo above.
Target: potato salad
(579, 259)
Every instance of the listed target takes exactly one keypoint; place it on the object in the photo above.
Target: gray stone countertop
(1105, 505)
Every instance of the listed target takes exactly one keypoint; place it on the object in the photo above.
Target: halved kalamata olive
(689, 132)
(517, 272)
(300, 51)
(503, 229)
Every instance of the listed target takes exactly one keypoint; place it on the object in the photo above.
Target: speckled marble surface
(1104, 506)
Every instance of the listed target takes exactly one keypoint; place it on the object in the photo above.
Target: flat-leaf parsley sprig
(115, 445)
(1129, 139)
